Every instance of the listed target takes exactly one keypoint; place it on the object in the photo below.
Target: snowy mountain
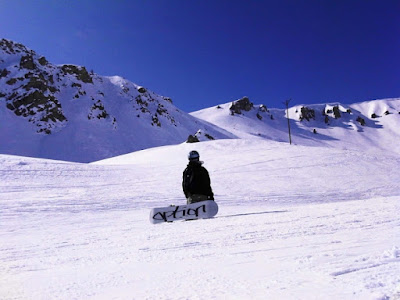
(65, 112)
(372, 125)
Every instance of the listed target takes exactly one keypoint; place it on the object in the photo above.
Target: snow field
(295, 222)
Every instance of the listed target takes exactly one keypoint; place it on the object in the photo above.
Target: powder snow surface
(295, 222)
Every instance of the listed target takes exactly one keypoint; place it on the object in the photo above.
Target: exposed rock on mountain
(192, 139)
(307, 114)
(65, 112)
(361, 121)
(242, 104)
(199, 136)
(80, 73)
(367, 124)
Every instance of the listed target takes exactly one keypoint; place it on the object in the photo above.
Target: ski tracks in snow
(84, 232)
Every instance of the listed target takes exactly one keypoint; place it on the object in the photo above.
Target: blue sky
(203, 53)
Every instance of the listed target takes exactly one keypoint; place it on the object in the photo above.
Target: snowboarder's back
(196, 182)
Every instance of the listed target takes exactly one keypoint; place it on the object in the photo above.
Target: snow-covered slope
(371, 126)
(67, 113)
(295, 222)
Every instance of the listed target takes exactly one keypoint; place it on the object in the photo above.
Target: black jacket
(196, 180)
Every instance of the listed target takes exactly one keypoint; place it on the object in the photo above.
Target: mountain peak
(11, 47)
(65, 112)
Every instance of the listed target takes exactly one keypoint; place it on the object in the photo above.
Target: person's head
(194, 156)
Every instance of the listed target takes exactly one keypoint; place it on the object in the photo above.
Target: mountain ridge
(370, 124)
(65, 112)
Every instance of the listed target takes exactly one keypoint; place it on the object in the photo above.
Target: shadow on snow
(254, 213)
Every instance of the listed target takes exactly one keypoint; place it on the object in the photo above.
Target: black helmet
(194, 156)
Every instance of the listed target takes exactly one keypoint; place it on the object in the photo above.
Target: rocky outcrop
(168, 99)
(97, 111)
(27, 62)
(33, 87)
(374, 116)
(41, 99)
(29, 89)
(10, 47)
(336, 112)
(79, 72)
(199, 136)
(242, 104)
(192, 139)
(145, 100)
(263, 108)
(361, 121)
(141, 89)
(43, 111)
(4, 73)
(245, 105)
(307, 114)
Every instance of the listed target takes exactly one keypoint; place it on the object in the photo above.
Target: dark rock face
(97, 111)
(374, 116)
(30, 90)
(27, 62)
(145, 100)
(336, 112)
(34, 85)
(4, 73)
(41, 110)
(79, 72)
(168, 99)
(155, 121)
(361, 121)
(192, 139)
(43, 61)
(242, 104)
(263, 108)
(199, 136)
(141, 90)
(36, 91)
(210, 137)
(245, 105)
(10, 47)
(307, 114)
(59, 99)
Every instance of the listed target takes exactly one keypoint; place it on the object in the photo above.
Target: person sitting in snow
(196, 181)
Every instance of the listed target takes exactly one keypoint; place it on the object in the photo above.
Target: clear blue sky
(206, 52)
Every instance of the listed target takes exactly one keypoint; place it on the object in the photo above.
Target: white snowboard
(200, 210)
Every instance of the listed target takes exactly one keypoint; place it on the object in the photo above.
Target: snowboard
(199, 210)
